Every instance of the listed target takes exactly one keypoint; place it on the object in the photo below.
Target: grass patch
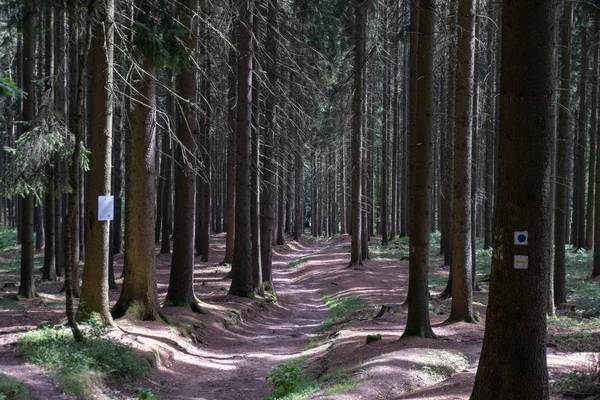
(341, 387)
(10, 304)
(297, 262)
(440, 365)
(583, 384)
(77, 367)
(8, 238)
(438, 281)
(12, 389)
(339, 381)
(290, 382)
(13, 265)
(341, 308)
(582, 290)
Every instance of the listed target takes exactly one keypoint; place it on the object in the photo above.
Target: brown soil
(228, 352)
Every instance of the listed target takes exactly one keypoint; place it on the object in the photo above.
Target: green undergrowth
(440, 364)
(298, 262)
(13, 389)
(13, 265)
(582, 384)
(292, 382)
(343, 308)
(582, 290)
(79, 367)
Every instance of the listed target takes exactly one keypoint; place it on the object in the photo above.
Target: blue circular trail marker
(522, 238)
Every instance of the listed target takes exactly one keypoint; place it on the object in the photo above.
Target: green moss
(290, 382)
(12, 389)
(341, 308)
(77, 366)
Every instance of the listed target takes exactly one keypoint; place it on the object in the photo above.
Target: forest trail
(229, 352)
(237, 355)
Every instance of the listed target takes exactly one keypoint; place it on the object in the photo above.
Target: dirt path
(228, 353)
(234, 359)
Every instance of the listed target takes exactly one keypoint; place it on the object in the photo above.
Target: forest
(299, 199)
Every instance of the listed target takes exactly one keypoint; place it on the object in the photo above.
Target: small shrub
(290, 382)
(79, 365)
(341, 307)
(12, 389)
(582, 384)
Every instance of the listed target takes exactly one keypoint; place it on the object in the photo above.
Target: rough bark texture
(203, 202)
(595, 128)
(139, 297)
(514, 346)
(462, 290)
(562, 158)
(231, 141)
(181, 279)
(77, 60)
(255, 192)
(94, 289)
(592, 79)
(27, 286)
(49, 269)
(166, 179)
(357, 115)
(579, 217)
(241, 283)
(269, 191)
(417, 323)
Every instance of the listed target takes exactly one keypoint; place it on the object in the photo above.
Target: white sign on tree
(106, 206)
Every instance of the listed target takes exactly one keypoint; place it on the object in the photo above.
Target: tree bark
(462, 290)
(27, 286)
(417, 323)
(181, 278)
(269, 190)
(94, 290)
(357, 116)
(517, 300)
(49, 269)
(241, 283)
(562, 158)
(231, 140)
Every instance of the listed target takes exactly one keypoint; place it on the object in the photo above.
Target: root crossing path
(236, 360)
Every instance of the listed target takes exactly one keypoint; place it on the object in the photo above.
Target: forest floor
(312, 340)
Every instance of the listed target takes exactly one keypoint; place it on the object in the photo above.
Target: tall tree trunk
(139, 296)
(255, 190)
(593, 132)
(579, 217)
(417, 323)
(241, 283)
(269, 190)
(395, 128)
(282, 192)
(181, 279)
(562, 158)
(203, 202)
(49, 269)
(462, 290)
(385, 129)
(76, 63)
(595, 119)
(231, 139)
(60, 102)
(27, 286)
(357, 116)
(165, 176)
(518, 286)
(94, 289)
